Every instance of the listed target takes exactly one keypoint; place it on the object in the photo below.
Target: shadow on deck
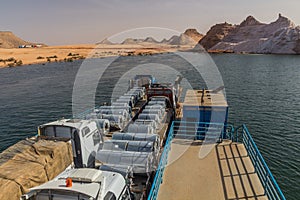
(238, 177)
(225, 173)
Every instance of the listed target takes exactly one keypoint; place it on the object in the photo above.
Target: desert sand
(26, 56)
(39, 55)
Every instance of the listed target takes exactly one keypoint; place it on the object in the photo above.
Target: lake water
(263, 91)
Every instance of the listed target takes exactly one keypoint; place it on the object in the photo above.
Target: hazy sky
(88, 21)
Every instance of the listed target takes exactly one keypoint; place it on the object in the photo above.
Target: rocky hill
(9, 40)
(252, 36)
(132, 41)
(216, 35)
(189, 37)
(150, 39)
(105, 41)
(194, 34)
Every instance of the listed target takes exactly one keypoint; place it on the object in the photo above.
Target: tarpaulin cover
(30, 163)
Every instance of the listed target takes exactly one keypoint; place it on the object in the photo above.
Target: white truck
(85, 136)
(82, 184)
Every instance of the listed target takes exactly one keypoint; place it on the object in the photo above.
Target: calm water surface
(263, 91)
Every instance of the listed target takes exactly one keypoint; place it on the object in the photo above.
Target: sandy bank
(25, 56)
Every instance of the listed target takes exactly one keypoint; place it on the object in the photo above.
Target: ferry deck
(231, 167)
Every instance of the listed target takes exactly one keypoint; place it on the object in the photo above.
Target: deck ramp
(225, 173)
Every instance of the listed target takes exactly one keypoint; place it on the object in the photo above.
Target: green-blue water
(263, 91)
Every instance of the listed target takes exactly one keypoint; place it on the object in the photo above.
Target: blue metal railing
(203, 130)
(161, 166)
(272, 189)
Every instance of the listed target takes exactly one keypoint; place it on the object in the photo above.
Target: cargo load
(30, 163)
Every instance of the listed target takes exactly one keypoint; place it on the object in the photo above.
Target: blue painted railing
(184, 129)
(161, 166)
(272, 189)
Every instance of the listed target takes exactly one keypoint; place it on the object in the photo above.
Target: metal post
(255, 161)
(265, 181)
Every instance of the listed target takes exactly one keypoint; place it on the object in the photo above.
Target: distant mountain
(252, 36)
(9, 40)
(182, 39)
(194, 34)
(164, 41)
(189, 37)
(139, 41)
(150, 39)
(174, 40)
(132, 41)
(105, 41)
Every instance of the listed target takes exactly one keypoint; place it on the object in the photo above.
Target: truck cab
(84, 135)
(163, 90)
(163, 93)
(82, 184)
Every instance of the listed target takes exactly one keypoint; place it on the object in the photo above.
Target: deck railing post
(265, 181)
(255, 161)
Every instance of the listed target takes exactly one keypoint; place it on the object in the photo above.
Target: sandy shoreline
(27, 56)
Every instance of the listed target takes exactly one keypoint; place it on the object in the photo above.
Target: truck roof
(75, 123)
(87, 181)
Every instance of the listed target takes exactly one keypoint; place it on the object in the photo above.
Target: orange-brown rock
(194, 34)
(216, 34)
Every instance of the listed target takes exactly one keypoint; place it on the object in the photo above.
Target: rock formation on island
(189, 37)
(216, 34)
(252, 36)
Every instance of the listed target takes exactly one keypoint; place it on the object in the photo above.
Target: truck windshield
(60, 195)
(58, 131)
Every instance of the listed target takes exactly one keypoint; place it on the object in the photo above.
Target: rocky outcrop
(252, 36)
(297, 47)
(216, 34)
(150, 39)
(164, 41)
(193, 34)
(9, 40)
(139, 41)
(182, 39)
(105, 41)
(132, 41)
(250, 21)
(189, 37)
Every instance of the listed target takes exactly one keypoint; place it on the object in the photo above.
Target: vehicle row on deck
(116, 148)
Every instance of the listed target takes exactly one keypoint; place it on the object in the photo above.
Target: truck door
(77, 153)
